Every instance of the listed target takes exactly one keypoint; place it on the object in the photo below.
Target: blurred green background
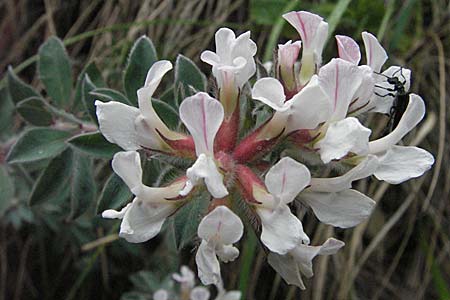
(402, 252)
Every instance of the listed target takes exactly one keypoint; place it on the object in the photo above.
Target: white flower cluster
(316, 109)
(188, 290)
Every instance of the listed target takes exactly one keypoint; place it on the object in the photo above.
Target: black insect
(400, 95)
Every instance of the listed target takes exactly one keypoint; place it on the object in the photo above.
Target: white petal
(199, 293)
(306, 25)
(270, 91)
(116, 122)
(281, 230)
(148, 122)
(309, 108)
(342, 209)
(343, 137)
(227, 253)
(143, 220)
(128, 166)
(202, 116)
(225, 39)
(287, 267)
(401, 163)
(287, 178)
(336, 184)
(375, 54)
(411, 117)
(221, 224)
(362, 99)
(348, 49)
(319, 42)
(114, 214)
(207, 264)
(340, 80)
(205, 168)
(304, 254)
(155, 75)
(161, 295)
(288, 53)
(210, 57)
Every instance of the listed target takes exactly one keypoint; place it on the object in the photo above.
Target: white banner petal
(402, 163)
(155, 75)
(202, 116)
(340, 80)
(306, 24)
(375, 54)
(286, 179)
(221, 224)
(348, 49)
(342, 209)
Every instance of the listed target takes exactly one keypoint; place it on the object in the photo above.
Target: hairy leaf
(55, 71)
(18, 89)
(94, 144)
(188, 78)
(105, 94)
(37, 144)
(186, 220)
(141, 58)
(34, 111)
(54, 179)
(6, 188)
(115, 194)
(83, 188)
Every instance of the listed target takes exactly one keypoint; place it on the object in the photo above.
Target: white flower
(313, 32)
(341, 80)
(401, 163)
(199, 293)
(203, 116)
(233, 60)
(132, 128)
(335, 203)
(143, 218)
(218, 230)
(281, 230)
(299, 260)
(161, 295)
(185, 278)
